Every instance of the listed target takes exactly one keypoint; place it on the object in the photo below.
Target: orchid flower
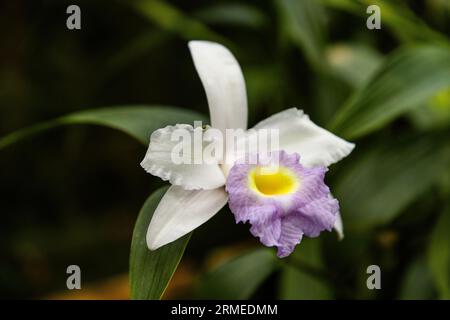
(281, 206)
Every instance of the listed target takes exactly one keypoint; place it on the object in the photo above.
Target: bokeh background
(71, 195)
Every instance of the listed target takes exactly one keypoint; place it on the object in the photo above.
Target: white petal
(159, 160)
(181, 211)
(339, 227)
(224, 84)
(315, 145)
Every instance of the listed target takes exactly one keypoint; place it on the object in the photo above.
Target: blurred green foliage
(71, 195)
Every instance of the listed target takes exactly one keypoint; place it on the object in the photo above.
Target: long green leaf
(435, 114)
(353, 63)
(137, 121)
(417, 283)
(239, 278)
(233, 14)
(296, 283)
(406, 80)
(151, 271)
(304, 24)
(384, 180)
(398, 18)
(439, 254)
(169, 18)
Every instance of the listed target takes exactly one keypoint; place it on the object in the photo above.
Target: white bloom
(197, 192)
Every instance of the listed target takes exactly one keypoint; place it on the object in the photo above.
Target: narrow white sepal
(181, 211)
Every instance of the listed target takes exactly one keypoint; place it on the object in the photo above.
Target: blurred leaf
(329, 93)
(304, 24)
(439, 254)
(406, 80)
(444, 184)
(240, 277)
(134, 49)
(355, 64)
(384, 180)
(151, 271)
(417, 283)
(398, 17)
(233, 14)
(439, 12)
(168, 17)
(434, 114)
(347, 262)
(299, 284)
(137, 121)
(351, 67)
(265, 86)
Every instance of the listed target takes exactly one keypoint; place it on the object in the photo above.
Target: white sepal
(181, 211)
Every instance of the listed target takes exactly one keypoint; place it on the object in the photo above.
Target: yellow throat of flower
(273, 181)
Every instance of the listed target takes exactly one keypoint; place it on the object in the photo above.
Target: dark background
(71, 195)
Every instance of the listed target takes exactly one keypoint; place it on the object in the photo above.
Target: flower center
(273, 181)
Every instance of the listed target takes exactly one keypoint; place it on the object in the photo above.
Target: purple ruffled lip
(282, 220)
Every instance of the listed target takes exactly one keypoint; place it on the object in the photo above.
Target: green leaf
(135, 48)
(296, 282)
(265, 84)
(435, 114)
(439, 254)
(239, 278)
(233, 14)
(169, 18)
(304, 24)
(353, 63)
(137, 121)
(388, 177)
(398, 18)
(417, 283)
(406, 80)
(151, 271)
